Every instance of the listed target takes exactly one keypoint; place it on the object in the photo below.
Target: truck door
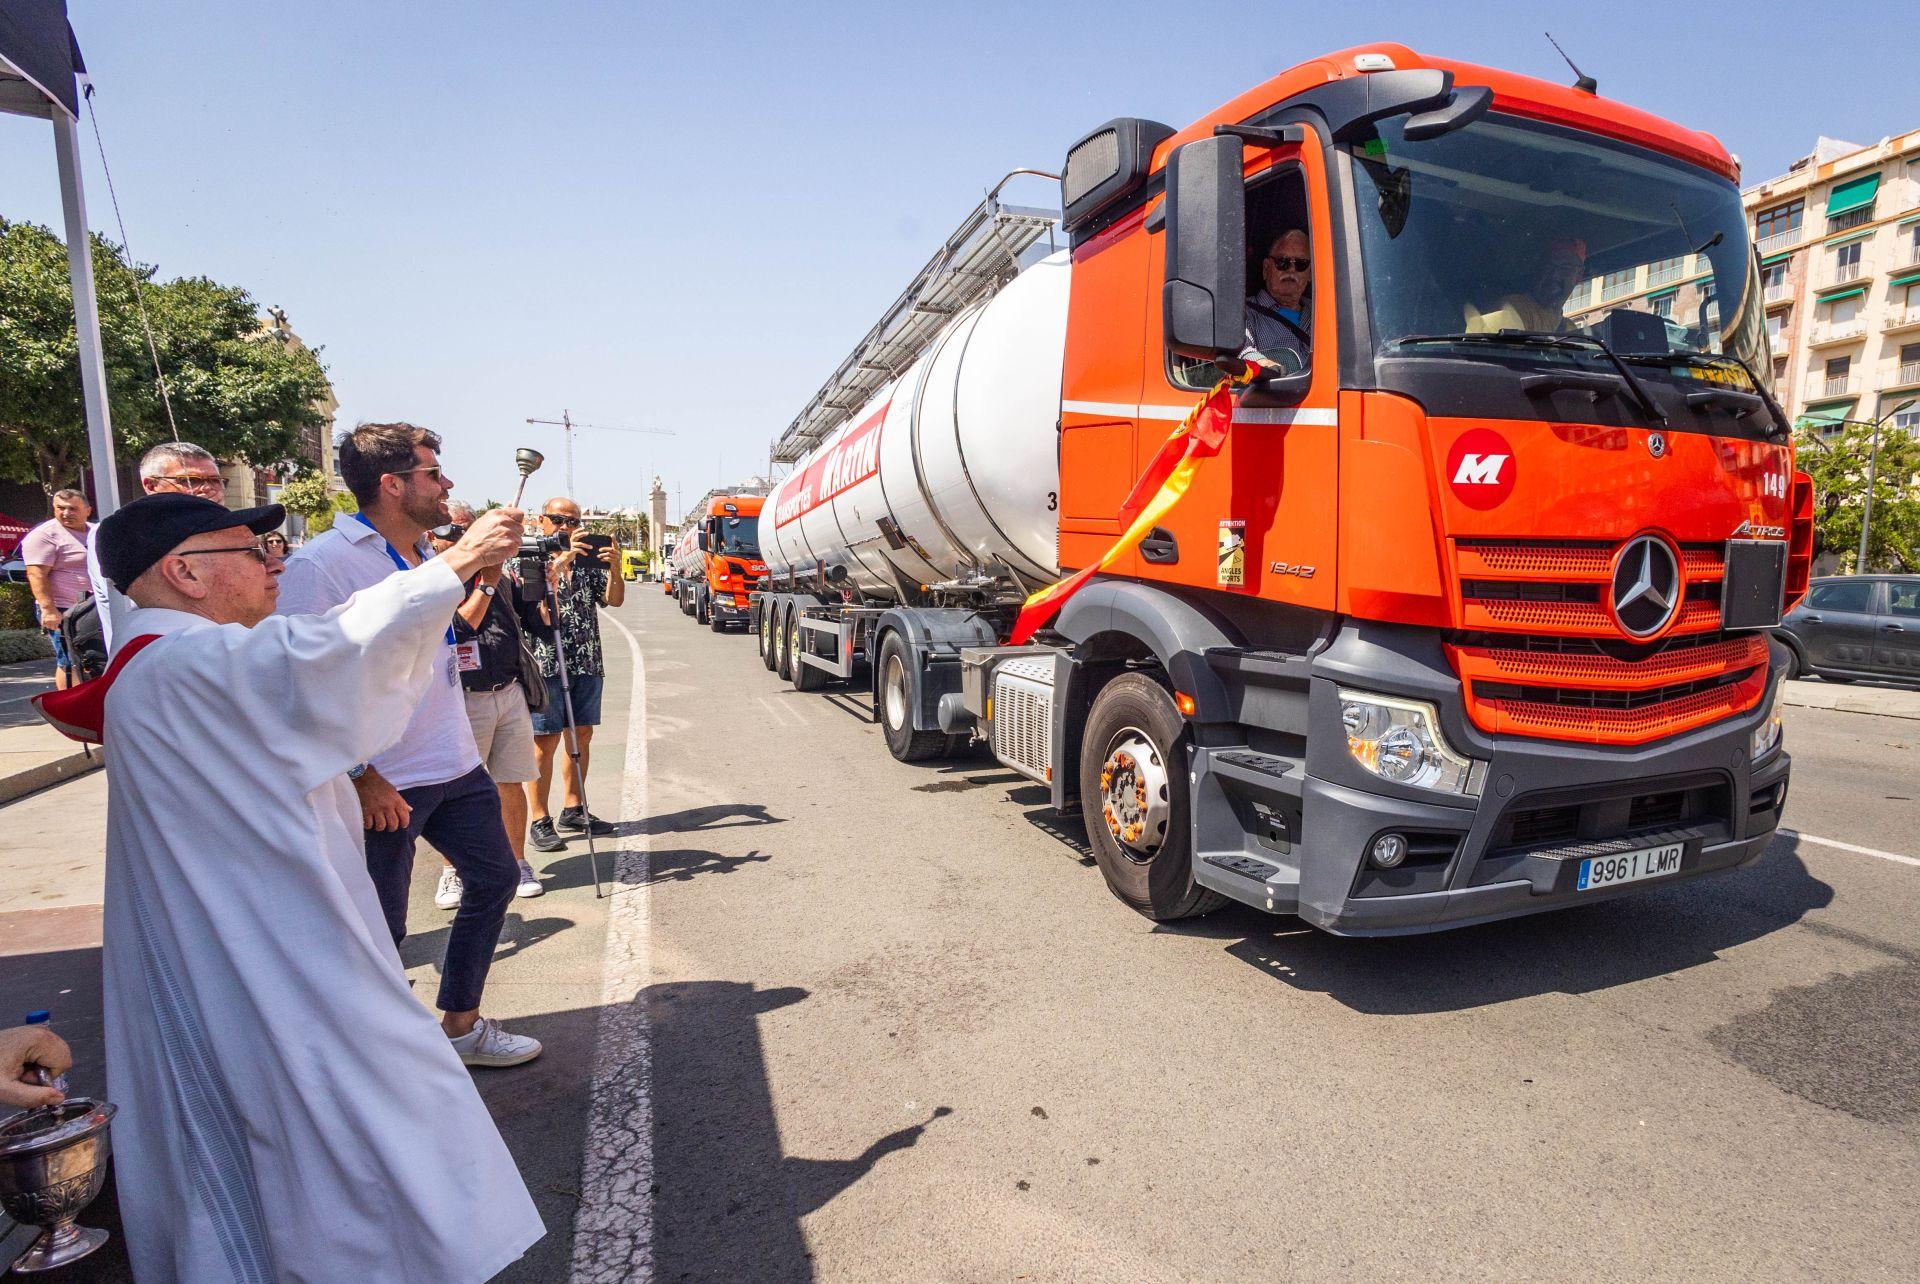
(1896, 641)
(1259, 518)
(1841, 624)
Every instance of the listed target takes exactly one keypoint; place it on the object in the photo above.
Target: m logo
(1481, 468)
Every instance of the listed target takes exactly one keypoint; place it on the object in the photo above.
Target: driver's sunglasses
(431, 470)
(1287, 263)
(453, 530)
(194, 481)
(559, 520)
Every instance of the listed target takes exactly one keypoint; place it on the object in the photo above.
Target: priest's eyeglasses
(256, 550)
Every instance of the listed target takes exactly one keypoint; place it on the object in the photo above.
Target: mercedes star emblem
(1657, 444)
(1646, 586)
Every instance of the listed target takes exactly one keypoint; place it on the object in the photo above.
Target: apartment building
(1838, 237)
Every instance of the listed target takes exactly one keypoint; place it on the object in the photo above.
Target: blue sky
(684, 215)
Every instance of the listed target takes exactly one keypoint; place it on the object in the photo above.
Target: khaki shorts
(503, 730)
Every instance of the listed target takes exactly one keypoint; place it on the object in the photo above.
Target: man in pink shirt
(56, 556)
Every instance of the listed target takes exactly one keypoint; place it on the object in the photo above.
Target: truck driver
(1542, 307)
(1279, 327)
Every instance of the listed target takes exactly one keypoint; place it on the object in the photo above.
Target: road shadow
(690, 820)
(728, 1199)
(1068, 829)
(856, 706)
(517, 935)
(673, 865)
(1578, 950)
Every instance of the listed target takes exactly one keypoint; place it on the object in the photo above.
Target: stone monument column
(656, 518)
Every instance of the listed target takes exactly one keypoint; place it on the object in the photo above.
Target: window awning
(1855, 193)
(1667, 293)
(1856, 292)
(1778, 258)
(1829, 413)
(1905, 278)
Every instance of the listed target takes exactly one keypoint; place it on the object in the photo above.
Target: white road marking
(1857, 850)
(613, 1227)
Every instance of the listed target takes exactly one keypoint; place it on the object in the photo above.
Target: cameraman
(582, 578)
(486, 634)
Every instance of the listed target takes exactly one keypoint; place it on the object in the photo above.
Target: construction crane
(566, 425)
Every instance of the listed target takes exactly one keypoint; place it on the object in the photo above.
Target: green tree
(307, 496)
(1838, 466)
(236, 391)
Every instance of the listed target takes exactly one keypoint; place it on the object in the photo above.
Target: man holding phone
(584, 577)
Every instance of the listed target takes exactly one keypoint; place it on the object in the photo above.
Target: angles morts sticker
(1480, 468)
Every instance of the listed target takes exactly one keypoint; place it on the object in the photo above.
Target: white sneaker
(448, 894)
(489, 1045)
(529, 882)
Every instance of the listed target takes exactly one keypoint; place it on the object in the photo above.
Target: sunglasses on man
(1287, 263)
(258, 550)
(451, 531)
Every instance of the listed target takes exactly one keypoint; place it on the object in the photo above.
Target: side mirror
(1203, 303)
(1462, 108)
(700, 538)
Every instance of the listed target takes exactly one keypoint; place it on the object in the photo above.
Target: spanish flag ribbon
(1199, 436)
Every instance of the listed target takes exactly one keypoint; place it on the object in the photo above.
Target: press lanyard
(397, 560)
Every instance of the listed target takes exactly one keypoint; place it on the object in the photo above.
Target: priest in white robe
(288, 1109)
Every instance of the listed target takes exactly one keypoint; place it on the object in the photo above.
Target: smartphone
(598, 543)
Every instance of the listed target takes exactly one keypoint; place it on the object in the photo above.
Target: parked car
(1856, 626)
(13, 569)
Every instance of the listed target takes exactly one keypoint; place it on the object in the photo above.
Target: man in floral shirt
(581, 584)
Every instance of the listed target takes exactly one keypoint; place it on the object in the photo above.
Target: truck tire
(1134, 798)
(782, 652)
(714, 621)
(765, 632)
(895, 690)
(803, 675)
(702, 607)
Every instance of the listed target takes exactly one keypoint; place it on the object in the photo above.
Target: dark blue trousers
(461, 818)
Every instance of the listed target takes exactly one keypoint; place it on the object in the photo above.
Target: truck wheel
(782, 650)
(803, 675)
(896, 707)
(768, 646)
(1795, 666)
(1133, 797)
(714, 621)
(702, 607)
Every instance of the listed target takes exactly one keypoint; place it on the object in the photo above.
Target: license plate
(1630, 867)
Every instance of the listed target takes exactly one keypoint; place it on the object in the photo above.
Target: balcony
(1829, 333)
(1909, 255)
(1901, 317)
(1779, 292)
(1901, 374)
(1665, 272)
(1844, 273)
(1831, 386)
(1768, 246)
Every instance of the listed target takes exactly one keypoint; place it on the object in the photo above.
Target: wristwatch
(358, 770)
(485, 588)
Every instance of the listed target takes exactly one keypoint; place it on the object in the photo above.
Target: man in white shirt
(171, 466)
(287, 1109)
(430, 782)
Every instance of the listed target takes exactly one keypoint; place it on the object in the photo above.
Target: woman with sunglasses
(274, 544)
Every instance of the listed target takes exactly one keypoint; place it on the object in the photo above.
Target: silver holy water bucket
(52, 1163)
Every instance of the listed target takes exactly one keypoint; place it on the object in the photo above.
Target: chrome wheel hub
(896, 693)
(1134, 794)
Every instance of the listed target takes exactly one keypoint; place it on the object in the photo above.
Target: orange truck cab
(721, 551)
(1469, 616)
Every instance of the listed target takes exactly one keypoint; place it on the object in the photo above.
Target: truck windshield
(740, 536)
(1514, 225)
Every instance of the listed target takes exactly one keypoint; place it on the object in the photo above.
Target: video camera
(529, 565)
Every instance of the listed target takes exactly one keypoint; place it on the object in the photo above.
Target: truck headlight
(1400, 740)
(1765, 741)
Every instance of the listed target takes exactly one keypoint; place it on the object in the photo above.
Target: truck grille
(1542, 656)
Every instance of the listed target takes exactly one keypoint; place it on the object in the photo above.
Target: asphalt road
(900, 1030)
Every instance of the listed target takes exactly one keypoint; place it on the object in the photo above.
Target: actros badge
(1480, 468)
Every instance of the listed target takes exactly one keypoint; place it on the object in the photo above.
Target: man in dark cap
(288, 1109)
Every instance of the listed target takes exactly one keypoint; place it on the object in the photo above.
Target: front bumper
(1292, 834)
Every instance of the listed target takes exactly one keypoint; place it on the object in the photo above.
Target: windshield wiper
(1546, 339)
(1717, 361)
